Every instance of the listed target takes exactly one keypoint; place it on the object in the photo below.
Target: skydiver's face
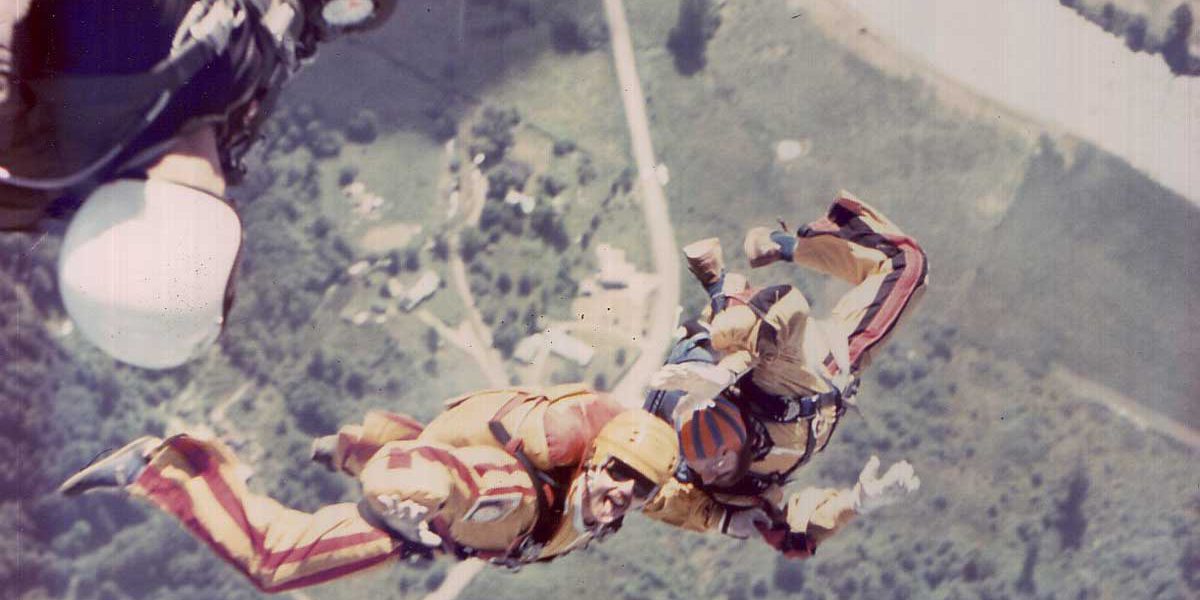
(607, 499)
(721, 469)
(612, 491)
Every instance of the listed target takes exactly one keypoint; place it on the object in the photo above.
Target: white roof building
(570, 348)
(424, 287)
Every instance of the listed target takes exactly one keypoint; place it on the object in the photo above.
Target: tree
(1177, 49)
(412, 256)
(505, 338)
(789, 574)
(363, 127)
(564, 146)
(433, 340)
(492, 134)
(491, 215)
(525, 284)
(549, 225)
(552, 186)
(585, 173)
(504, 283)
(325, 143)
(624, 182)
(470, 242)
(509, 174)
(532, 324)
(580, 33)
(312, 404)
(441, 247)
(698, 21)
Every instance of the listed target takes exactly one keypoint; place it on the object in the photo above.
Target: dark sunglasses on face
(643, 488)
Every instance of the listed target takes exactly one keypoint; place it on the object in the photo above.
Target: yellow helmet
(640, 441)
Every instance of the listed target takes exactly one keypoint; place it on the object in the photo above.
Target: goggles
(643, 488)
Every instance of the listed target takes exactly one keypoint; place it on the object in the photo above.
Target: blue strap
(787, 244)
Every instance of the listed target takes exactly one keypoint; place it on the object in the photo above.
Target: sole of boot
(68, 487)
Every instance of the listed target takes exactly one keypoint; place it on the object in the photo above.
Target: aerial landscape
(483, 194)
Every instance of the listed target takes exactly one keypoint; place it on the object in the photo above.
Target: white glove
(741, 523)
(700, 382)
(215, 27)
(407, 518)
(873, 492)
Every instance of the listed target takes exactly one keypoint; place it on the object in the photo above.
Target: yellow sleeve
(732, 332)
(356, 444)
(819, 513)
(427, 474)
(684, 505)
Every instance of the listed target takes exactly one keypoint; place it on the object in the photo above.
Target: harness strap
(785, 409)
(551, 499)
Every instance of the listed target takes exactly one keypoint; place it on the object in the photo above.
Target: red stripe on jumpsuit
(172, 497)
(328, 574)
(893, 294)
(203, 464)
(404, 420)
(401, 458)
(481, 469)
(274, 560)
(896, 300)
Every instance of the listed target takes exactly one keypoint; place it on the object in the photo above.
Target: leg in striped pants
(202, 484)
(888, 269)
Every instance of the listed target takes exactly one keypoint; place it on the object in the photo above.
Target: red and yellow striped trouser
(889, 270)
(276, 547)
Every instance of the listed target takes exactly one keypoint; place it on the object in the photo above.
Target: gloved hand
(216, 25)
(743, 523)
(323, 451)
(700, 382)
(408, 519)
(873, 492)
(764, 246)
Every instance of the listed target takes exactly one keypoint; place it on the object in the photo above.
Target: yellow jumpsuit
(480, 498)
(771, 334)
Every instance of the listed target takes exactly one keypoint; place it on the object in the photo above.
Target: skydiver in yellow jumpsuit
(514, 476)
(783, 379)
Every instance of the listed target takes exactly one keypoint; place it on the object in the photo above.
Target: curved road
(665, 255)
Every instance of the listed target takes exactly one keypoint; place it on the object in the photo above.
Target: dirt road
(654, 210)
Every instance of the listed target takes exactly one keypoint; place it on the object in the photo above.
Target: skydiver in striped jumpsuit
(767, 383)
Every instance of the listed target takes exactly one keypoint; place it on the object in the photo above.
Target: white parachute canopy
(144, 267)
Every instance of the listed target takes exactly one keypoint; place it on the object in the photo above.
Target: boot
(705, 261)
(116, 470)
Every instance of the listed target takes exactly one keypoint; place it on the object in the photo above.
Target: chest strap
(551, 496)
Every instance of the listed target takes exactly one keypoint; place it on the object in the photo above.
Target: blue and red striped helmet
(708, 431)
